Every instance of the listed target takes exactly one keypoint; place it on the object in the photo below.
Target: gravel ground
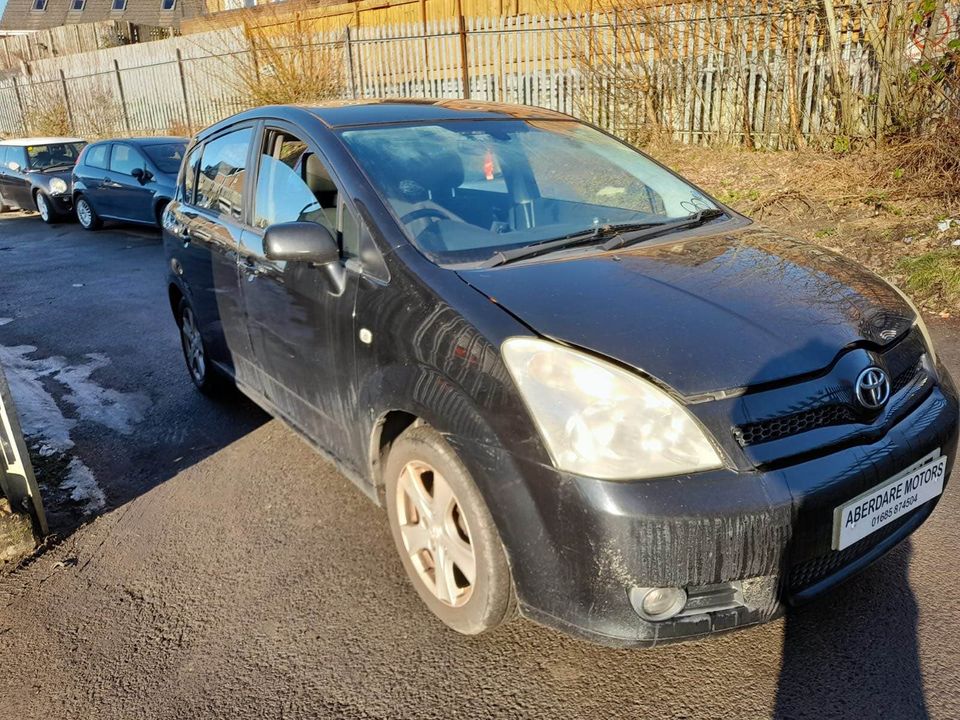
(225, 570)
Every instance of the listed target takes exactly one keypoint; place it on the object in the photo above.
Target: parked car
(35, 173)
(580, 385)
(129, 180)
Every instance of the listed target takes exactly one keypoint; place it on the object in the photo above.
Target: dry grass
(285, 62)
(881, 207)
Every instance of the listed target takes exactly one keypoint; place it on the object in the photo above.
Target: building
(47, 14)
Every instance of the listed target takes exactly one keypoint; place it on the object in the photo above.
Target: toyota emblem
(873, 388)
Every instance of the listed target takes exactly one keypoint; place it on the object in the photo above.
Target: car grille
(787, 425)
(810, 572)
(903, 363)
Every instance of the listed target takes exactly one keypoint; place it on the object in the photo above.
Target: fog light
(658, 603)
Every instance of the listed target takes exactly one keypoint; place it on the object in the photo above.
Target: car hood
(705, 314)
(48, 175)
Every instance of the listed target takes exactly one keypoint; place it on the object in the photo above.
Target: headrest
(316, 177)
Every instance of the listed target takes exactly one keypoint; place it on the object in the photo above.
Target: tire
(450, 521)
(45, 208)
(205, 375)
(86, 215)
(158, 213)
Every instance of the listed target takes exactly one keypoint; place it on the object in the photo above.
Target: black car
(130, 180)
(580, 386)
(35, 173)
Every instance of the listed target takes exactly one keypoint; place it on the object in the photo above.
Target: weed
(934, 275)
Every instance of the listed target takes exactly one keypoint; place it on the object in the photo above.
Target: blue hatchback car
(129, 180)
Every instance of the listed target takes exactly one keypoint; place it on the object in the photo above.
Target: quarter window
(293, 185)
(188, 182)
(97, 157)
(125, 159)
(223, 171)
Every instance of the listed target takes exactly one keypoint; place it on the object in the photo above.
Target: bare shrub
(47, 115)
(101, 116)
(283, 61)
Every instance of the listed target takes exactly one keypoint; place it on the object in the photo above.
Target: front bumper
(62, 204)
(759, 541)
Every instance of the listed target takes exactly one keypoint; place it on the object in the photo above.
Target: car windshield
(167, 156)
(45, 157)
(468, 190)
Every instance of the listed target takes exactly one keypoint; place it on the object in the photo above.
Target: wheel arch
(159, 203)
(400, 397)
(175, 295)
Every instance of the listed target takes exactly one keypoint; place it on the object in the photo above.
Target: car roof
(24, 142)
(389, 111)
(149, 140)
(354, 113)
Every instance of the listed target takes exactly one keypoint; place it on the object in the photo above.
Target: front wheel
(446, 537)
(86, 215)
(45, 208)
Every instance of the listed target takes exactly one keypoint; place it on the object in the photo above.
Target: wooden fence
(20, 49)
(743, 74)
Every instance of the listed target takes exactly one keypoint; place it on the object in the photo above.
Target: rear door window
(223, 172)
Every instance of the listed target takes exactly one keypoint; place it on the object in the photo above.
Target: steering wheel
(426, 212)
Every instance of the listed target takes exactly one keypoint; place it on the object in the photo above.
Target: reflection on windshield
(467, 190)
(167, 157)
(44, 157)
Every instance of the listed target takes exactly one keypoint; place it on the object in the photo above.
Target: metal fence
(703, 71)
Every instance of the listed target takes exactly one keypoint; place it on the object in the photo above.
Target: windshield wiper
(600, 232)
(626, 237)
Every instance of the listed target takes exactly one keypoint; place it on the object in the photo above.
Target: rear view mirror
(305, 242)
(14, 165)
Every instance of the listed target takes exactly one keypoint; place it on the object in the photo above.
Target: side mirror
(306, 242)
(141, 175)
(14, 165)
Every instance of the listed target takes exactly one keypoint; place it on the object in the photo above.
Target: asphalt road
(224, 570)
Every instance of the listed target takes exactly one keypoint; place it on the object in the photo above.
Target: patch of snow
(33, 381)
(4, 321)
(83, 486)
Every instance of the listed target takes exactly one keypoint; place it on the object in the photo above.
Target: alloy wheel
(193, 346)
(42, 207)
(436, 534)
(84, 213)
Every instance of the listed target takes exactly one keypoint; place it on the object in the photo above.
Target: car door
(203, 233)
(301, 326)
(18, 189)
(92, 173)
(124, 196)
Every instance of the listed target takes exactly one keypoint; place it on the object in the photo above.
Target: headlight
(58, 187)
(919, 324)
(601, 421)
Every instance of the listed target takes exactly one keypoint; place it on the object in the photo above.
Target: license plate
(883, 504)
